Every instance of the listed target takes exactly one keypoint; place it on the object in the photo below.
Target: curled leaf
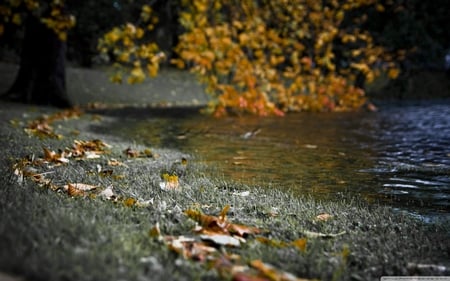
(323, 217)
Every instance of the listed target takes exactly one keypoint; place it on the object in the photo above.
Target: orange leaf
(129, 202)
(73, 191)
(300, 244)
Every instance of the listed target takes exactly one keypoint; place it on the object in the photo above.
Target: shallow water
(398, 156)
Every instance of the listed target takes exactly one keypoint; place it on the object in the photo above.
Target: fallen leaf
(155, 232)
(243, 193)
(221, 239)
(115, 162)
(323, 217)
(41, 126)
(129, 202)
(170, 182)
(91, 155)
(269, 271)
(144, 203)
(73, 191)
(78, 189)
(219, 224)
(132, 153)
(300, 244)
(271, 242)
(80, 186)
(53, 157)
(108, 193)
(242, 230)
(189, 248)
(89, 149)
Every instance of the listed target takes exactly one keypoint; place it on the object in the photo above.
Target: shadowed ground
(170, 88)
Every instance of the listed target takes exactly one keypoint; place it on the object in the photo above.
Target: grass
(46, 235)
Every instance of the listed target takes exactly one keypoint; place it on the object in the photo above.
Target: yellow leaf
(300, 244)
(393, 73)
(139, 33)
(16, 19)
(113, 36)
(62, 36)
(380, 8)
(137, 76)
(179, 63)
(152, 70)
(116, 78)
(129, 202)
(155, 232)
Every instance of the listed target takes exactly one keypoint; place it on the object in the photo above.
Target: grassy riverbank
(48, 235)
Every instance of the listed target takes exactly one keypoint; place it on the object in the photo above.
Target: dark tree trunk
(41, 78)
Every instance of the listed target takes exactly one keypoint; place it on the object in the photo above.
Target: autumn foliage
(51, 13)
(128, 47)
(258, 57)
(271, 57)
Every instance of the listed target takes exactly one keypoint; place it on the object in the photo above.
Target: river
(399, 156)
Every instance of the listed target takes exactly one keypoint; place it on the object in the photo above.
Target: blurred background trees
(260, 57)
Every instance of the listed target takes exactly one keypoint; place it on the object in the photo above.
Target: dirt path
(170, 87)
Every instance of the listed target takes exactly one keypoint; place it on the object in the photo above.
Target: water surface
(398, 156)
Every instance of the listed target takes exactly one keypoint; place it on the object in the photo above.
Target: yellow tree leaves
(273, 57)
(56, 19)
(257, 57)
(130, 50)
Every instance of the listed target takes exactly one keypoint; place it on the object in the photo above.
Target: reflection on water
(399, 156)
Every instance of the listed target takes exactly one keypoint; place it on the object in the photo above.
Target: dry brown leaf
(271, 242)
(41, 126)
(115, 162)
(53, 157)
(222, 239)
(242, 230)
(219, 224)
(271, 273)
(78, 189)
(89, 149)
(80, 186)
(323, 217)
(189, 248)
(133, 153)
(73, 191)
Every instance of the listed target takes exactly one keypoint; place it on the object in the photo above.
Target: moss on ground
(46, 235)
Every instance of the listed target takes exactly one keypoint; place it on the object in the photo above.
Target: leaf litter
(213, 237)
